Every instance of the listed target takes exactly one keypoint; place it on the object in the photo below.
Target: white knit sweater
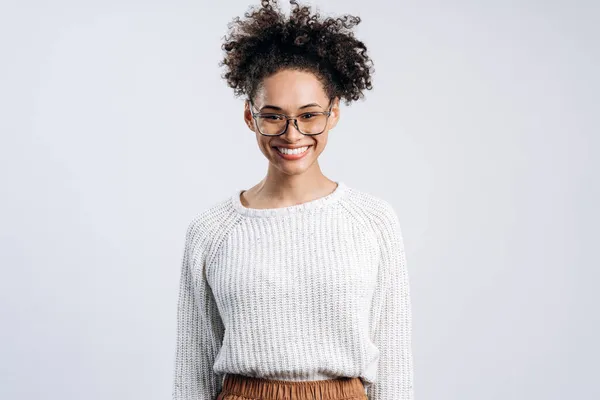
(310, 291)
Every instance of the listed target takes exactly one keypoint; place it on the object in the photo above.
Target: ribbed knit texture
(311, 291)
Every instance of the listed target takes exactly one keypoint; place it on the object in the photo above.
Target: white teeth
(292, 151)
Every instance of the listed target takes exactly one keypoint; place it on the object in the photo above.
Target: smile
(292, 154)
(285, 150)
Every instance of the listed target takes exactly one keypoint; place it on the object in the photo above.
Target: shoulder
(208, 222)
(374, 209)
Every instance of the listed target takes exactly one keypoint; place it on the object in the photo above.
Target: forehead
(291, 89)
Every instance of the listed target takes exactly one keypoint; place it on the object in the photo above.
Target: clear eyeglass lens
(273, 124)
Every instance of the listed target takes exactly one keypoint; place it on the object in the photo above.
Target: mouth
(292, 153)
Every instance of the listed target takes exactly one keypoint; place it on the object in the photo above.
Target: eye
(271, 117)
(308, 116)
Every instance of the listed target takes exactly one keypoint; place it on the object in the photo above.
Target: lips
(293, 147)
(292, 156)
(307, 146)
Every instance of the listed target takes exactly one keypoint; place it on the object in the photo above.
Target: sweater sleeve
(392, 333)
(199, 326)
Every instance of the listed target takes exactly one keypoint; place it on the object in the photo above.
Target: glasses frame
(294, 118)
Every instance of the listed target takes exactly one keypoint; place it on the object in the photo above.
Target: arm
(392, 332)
(199, 326)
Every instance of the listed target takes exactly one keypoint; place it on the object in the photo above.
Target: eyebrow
(281, 109)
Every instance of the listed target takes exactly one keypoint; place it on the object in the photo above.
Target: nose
(291, 133)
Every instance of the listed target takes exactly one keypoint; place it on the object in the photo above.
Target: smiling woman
(297, 287)
(300, 94)
(294, 69)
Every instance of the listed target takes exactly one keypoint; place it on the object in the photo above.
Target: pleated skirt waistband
(240, 387)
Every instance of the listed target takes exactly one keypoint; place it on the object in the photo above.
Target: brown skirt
(240, 387)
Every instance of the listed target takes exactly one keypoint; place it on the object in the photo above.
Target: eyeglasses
(309, 123)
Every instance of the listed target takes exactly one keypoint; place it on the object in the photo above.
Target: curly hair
(266, 42)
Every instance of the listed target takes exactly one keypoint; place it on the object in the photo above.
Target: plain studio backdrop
(481, 130)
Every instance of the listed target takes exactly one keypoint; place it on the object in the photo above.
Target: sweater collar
(320, 202)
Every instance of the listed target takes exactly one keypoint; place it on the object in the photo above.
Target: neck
(278, 189)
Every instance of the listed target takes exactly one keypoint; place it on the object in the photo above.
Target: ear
(248, 116)
(335, 113)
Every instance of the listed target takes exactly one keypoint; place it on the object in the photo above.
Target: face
(292, 93)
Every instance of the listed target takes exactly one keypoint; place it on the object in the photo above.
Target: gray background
(482, 130)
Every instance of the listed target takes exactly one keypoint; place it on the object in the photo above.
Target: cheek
(262, 140)
(321, 141)
(264, 143)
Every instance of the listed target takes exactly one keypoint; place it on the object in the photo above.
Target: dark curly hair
(266, 42)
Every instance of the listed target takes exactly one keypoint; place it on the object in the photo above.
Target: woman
(296, 288)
